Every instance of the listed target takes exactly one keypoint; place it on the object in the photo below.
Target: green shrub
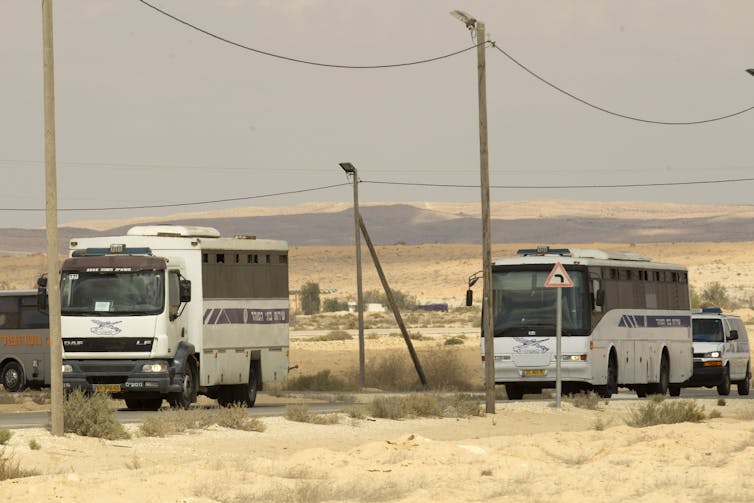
(652, 412)
(5, 435)
(454, 341)
(334, 305)
(310, 298)
(91, 416)
(34, 445)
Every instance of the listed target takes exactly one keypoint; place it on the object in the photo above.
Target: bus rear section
(623, 323)
(24, 341)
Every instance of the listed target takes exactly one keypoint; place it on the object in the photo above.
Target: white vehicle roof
(585, 256)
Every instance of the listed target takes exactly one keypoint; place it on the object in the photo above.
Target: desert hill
(331, 224)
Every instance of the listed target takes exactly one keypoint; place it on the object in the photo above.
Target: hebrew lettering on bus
(23, 340)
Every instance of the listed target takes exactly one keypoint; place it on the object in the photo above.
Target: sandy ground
(527, 451)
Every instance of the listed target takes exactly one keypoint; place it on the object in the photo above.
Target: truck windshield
(707, 330)
(128, 293)
(522, 305)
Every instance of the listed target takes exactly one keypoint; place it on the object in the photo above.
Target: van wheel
(723, 388)
(13, 377)
(743, 385)
(514, 391)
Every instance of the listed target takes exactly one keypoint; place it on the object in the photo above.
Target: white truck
(169, 312)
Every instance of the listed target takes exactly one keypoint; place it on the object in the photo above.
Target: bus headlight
(67, 368)
(154, 367)
(712, 354)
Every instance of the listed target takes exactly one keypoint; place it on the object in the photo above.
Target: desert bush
(5, 435)
(321, 381)
(388, 407)
(91, 416)
(300, 413)
(588, 400)
(8, 398)
(714, 295)
(10, 468)
(445, 371)
(653, 412)
(454, 341)
(403, 301)
(721, 402)
(334, 305)
(425, 405)
(461, 405)
(714, 414)
(172, 421)
(333, 335)
(34, 445)
(237, 417)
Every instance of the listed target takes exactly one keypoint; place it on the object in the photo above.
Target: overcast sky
(150, 111)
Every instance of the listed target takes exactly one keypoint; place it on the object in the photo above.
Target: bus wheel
(674, 390)
(724, 387)
(247, 393)
(514, 391)
(13, 377)
(743, 384)
(641, 390)
(661, 388)
(611, 387)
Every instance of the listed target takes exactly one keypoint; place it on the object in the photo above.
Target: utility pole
(350, 170)
(487, 325)
(51, 196)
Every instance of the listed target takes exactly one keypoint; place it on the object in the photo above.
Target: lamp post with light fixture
(477, 28)
(351, 172)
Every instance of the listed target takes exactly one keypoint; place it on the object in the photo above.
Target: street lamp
(751, 71)
(350, 170)
(487, 328)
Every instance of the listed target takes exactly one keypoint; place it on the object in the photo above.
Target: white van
(721, 352)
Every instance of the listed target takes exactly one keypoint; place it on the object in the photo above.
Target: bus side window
(9, 312)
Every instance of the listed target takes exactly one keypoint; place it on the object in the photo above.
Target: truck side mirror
(185, 290)
(733, 335)
(42, 304)
(469, 297)
(600, 297)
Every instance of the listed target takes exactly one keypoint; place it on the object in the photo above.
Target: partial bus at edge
(626, 322)
(24, 341)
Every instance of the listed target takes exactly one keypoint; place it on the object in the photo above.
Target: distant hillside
(532, 222)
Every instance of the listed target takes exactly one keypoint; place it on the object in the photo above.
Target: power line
(595, 186)
(193, 203)
(304, 61)
(610, 112)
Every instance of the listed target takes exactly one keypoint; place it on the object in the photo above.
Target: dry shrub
(237, 417)
(34, 445)
(9, 398)
(654, 412)
(91, 416)
(321, 381)
(10, 468)
(333, 335)
(172, 421)
(585, 400)
(454, 341)
(5, 435)
(300, 413)
(425, 405)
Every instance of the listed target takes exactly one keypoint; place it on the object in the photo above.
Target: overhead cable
(592, 186)
(304, 61)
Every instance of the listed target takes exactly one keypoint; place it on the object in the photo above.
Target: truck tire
(514, 391)
(144, 403)
(13, 377)
(248, 392)
(184, 398)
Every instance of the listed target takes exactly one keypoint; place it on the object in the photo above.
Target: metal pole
(558, 357)
(489, 340)
(51, 215)
(359, 287)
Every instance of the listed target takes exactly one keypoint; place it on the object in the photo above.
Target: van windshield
(707, 330)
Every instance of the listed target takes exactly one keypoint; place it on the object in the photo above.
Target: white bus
(24, 341)
(625, 323)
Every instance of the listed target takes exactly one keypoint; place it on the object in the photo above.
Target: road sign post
(558, 278)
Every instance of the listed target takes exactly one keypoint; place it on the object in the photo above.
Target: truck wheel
(611, 387)
(13, 377)
(723, 388)
(184, 398)
(743, 384)
(661, 387)
(226, 396)
(674, 390)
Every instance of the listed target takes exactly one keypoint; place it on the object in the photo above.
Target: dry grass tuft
(585, 400)
(10, 468)
(654, 412)
(91, 416)
(301, 414)
(173, 421)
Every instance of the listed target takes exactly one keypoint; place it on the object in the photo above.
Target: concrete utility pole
(487, 327)
(350, 170)
(51, 195)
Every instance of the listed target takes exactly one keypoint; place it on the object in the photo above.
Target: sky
(152, 112)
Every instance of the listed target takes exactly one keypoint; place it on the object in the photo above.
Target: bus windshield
(522, 305)
(121, 293)
(707, 330)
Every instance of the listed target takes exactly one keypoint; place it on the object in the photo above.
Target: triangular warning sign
(558, 277)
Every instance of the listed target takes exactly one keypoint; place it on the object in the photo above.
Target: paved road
(427, 332)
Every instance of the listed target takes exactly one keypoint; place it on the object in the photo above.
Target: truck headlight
(154, 367)
(574, 358)
(67, 368)
(712, 354)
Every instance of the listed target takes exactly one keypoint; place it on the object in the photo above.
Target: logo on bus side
(105, 327)
(530, 346)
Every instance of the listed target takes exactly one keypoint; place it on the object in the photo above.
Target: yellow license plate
(534, 372)
(108, 388)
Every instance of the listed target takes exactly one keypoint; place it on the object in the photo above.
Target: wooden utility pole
(51, 196)
(392, 303)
